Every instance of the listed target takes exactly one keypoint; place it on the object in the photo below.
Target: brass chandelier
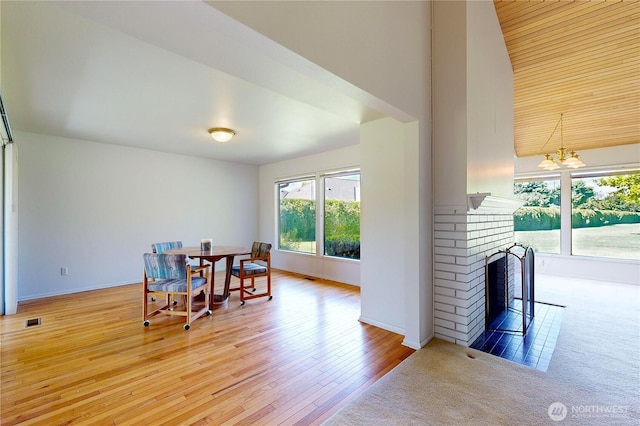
(566, 158)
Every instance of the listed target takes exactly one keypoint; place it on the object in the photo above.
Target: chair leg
(248, 292)
(188, 307)
(145, 303)
(241, 290)
(269, 285)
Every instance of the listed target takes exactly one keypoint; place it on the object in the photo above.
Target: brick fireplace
(463, 238)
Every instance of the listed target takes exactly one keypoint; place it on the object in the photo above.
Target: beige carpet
(594, 372)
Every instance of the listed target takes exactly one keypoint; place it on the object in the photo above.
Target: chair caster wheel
(187, 326)
(175, 302)
(253, 290)
(270, 297)
(208, 312)
(146, 323)
(242, 303)
(153, 299)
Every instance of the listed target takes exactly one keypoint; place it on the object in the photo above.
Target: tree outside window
(537, 222)
(605, 217)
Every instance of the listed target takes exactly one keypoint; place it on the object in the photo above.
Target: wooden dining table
(216, 253)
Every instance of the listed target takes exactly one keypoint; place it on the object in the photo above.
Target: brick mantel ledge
(484, 202)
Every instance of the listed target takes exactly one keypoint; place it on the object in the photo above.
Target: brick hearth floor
(535, 348)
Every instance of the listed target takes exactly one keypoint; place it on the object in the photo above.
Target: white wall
(450, 103)
(2, 238)
(388, 159)
(490, 98)
(1, 196)
(473, 152)
(379, 46)
(342, 270)
(473, 104)
(418, 232)
(383, 49)
(589, 268)
(383, 234)
(10, 228)
(96, 208)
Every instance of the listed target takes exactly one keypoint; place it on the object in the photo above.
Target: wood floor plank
(293, 360)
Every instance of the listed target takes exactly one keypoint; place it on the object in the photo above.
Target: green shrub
(546, 218)
(341, 221)
(582, 218)
(342, 218)
(628, 217)
(297, 220)
(343, 246)
(536, 219)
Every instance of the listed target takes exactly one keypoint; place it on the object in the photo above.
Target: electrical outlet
(64, 270)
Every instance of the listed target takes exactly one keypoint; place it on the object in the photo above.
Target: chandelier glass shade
(565, 157)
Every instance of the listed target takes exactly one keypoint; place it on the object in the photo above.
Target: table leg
(218, 299)
(214, 299)
(212, 296)
(227, 276)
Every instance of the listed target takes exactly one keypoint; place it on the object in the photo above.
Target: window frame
(319, 178)
(321, 212)
(599, 173)
(556, 177)
(278, 183)
(566, 178)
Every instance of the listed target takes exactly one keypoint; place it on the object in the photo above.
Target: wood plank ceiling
(578, 58)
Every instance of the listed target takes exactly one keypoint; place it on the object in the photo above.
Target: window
(335, 217)
(342, 215)
(297, 216)
(605, 217)
(537, 223)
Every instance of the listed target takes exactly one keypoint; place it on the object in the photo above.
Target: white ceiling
(157, 75)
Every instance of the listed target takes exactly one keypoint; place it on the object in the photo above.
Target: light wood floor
(296, 359)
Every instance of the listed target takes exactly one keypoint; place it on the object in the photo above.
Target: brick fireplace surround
(463, 237)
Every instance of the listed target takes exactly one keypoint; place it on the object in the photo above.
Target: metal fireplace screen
(503, 270)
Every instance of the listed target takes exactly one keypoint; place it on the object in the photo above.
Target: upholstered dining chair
(169, 275)
(160, 247)
(255, 266)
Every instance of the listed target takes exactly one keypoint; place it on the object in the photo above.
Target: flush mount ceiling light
(221, 134)
(566, 158)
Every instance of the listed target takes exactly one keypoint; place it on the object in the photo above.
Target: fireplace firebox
(504, 270)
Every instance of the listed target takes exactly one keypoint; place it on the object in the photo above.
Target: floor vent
(32, 322)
